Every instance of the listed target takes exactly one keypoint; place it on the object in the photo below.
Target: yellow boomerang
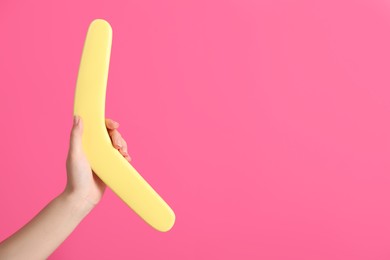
(105, 160)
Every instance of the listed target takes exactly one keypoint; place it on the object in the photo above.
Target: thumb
(76, 135)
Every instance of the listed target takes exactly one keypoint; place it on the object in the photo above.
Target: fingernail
(76, 119)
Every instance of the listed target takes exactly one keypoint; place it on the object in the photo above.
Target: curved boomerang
(107, 162)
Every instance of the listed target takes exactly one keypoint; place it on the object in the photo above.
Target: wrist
(79, 206)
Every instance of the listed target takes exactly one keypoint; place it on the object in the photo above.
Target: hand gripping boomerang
(107, 162)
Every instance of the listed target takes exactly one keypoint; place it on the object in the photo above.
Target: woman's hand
(82, 182)
(53, 224)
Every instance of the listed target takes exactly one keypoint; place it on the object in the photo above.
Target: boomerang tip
(101, 22)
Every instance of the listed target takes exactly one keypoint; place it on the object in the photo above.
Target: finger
(111, 124)
(116, 138)
(119, 143)
(75, 145)
(123, 149)
(128, 158)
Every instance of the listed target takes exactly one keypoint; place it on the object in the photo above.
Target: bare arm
(54, 223)
(46, 231)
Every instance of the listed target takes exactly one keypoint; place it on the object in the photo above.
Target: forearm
(47, 230)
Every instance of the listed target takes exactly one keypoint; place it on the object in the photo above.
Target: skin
(53, 224)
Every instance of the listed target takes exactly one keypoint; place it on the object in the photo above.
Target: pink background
(264, 124)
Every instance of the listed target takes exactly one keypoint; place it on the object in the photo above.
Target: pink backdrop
(264, 124)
